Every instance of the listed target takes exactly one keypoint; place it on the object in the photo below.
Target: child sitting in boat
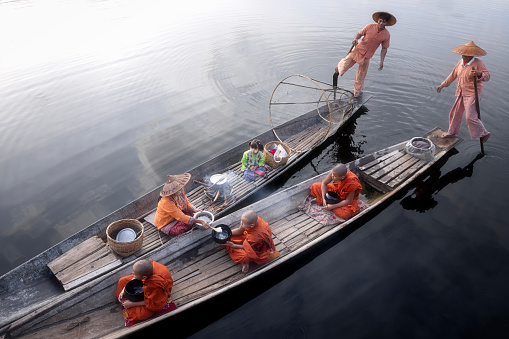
(343, 182)
(252, 241)
(157, 285)
(253, 161)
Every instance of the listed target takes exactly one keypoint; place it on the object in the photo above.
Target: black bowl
(332, 197)
(134, 290)
(221, 237)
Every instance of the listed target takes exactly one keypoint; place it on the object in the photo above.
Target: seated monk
(252, 241)
(343, 182)
(174, 214)
(157, 284)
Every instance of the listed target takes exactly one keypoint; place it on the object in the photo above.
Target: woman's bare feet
(485, 138)
(245, 267)
(447, 135)
(313, 200)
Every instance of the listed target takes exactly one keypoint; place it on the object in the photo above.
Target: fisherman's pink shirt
(372, 39)
(462, 73)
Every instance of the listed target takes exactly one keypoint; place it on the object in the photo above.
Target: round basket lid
(126, 235)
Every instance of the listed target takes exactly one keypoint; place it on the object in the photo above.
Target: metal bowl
(215, 179)
(332, 197)
(202, 214)
(134, 290)
(222, 237)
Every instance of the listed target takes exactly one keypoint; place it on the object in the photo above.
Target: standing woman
(467, 70)
(174, 213)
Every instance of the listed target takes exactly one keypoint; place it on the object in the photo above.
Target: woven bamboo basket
(269, 157)
(125, 249)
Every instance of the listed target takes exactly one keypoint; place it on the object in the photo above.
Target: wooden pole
(478, 109)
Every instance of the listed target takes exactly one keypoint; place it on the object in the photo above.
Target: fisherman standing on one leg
(467, 70)
(374, 36)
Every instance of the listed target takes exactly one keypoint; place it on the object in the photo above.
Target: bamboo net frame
(323, 96)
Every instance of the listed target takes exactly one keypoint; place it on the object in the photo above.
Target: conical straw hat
(469, 49)
(174, 183)
(391, 21)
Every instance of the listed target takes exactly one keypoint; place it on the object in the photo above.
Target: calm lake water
(102, 99)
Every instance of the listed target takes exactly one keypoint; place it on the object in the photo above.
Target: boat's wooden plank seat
(387, 172)
(84, 262)
(240, 186)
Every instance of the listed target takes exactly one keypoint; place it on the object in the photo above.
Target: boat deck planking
(193, 278)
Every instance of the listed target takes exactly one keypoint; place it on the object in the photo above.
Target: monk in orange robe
(252, 241)
(343, 182)
(157, 284)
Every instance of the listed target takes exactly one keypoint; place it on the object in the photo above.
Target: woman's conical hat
(391, 21)
(174, 183)
(469, 49)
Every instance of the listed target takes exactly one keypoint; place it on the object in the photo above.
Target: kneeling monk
(252, 241)
(157, 284)
(346, 184)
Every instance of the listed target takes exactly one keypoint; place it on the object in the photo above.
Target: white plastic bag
(280, 153)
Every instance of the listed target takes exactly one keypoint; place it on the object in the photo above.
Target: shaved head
(143, 268)
(339, 170)
(250, 217)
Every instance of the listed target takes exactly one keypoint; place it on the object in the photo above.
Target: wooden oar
(478, 109)
(335, 75)
(353, 45)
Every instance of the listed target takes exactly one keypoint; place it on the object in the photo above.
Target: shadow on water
(422, 199)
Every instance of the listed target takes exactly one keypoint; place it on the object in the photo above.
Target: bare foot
(485, 138)
(447, 135)
(313, 200)
(356, 93)
(245, 267)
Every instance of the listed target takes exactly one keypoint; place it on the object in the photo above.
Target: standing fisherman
(374, 36)
(467, 70)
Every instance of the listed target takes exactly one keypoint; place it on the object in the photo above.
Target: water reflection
(422, 199)
(345, 147)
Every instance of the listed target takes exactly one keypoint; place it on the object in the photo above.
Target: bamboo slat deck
(241, 186)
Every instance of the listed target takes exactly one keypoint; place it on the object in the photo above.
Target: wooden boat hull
(32, 284)
(202, 270)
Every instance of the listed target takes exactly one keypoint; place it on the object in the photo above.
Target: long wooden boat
(85, 256)
(203, 271)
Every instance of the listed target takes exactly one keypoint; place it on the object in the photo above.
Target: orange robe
(342, 188)
(169, 209)
(257, 242)
(157, 291)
